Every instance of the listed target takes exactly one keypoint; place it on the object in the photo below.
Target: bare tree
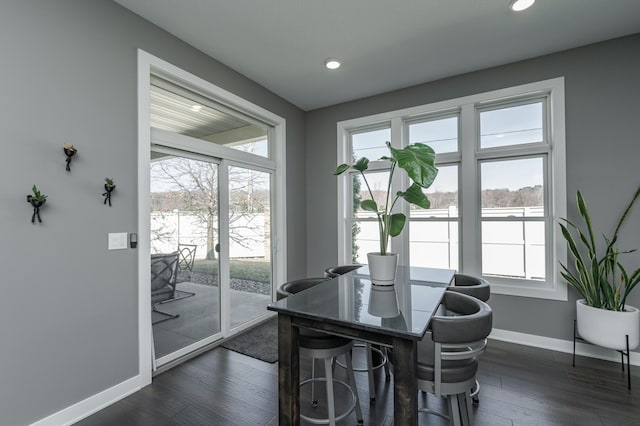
(192, 186)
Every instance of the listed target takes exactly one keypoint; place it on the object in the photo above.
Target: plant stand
(623, 353)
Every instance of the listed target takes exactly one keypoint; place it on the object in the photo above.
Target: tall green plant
(418, 161)
(600, 279)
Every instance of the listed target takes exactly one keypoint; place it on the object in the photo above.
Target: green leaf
(414, 195)
(362, 164)
(369, 205)
(418, 160)
(341, 169)
(396, 223)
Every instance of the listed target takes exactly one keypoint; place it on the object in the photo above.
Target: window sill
(549, 291)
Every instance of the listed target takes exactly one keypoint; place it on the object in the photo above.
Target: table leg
(405, 382)
(288, 372)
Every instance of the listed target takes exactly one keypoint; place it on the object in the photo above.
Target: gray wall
(602, 84)
(69, 308)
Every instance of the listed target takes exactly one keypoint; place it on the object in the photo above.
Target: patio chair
(163, 282)
(186, 257)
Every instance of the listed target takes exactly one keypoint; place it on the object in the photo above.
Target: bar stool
(326, 347)
(336, 271)
(480, 289)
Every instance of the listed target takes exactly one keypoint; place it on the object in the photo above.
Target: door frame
(147, 65)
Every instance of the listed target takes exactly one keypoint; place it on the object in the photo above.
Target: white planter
(608, 328)
(382, 268)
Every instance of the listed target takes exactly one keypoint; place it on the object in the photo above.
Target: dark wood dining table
(351, 306)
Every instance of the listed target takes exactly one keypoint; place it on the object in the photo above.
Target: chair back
(336, 271)
(472, 320)
(297, 286)
(473, 286)
(187, 256)
(163, 270)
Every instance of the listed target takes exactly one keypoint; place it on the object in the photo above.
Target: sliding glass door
(211, 200)
(185, 279)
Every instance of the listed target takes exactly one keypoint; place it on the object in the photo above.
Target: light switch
(117, 240)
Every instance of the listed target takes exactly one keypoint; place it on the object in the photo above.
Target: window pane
(511, 126)
(434, 244)
(370, 144)
(443, 194)
(514, 249)
(441, 134)
(512, 188)
(378, 182)
(249, 243)
(366, 240)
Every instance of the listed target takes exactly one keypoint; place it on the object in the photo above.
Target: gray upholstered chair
(480, 289)
(326, 347)
(336, 271)
(472, 286)
(381, 361)
(164, 267)
(448, 356)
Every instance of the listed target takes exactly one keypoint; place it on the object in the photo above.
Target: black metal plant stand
(622, 353)
(69, 153)
(36, 204)
(107, 194)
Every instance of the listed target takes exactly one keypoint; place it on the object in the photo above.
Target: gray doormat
(260, 342)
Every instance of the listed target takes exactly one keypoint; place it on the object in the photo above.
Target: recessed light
(196, 108)
(520, 5)
(332, 63)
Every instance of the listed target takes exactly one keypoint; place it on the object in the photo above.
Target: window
(499, 193)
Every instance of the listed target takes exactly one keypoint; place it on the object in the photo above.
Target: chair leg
(469, 404)
(167, 315)
(352, 379)
(330, 398)
(314, 400)
(454, 410)
(372, 384)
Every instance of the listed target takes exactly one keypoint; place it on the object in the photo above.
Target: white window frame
(468, 157)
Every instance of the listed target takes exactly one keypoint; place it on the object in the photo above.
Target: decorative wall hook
(36, 200)
(109, 186)
(69, 151)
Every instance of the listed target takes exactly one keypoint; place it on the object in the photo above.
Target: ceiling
(384, 44)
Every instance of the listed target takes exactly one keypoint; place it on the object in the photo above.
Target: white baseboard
(560, 345)
(93, 404)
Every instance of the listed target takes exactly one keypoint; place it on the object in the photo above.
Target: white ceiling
(384, 44)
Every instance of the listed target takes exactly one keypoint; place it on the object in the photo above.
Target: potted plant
(602, 315)
(418, 161)
(37, 200)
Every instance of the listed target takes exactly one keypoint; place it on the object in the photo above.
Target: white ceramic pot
(383, 302)
(607, 328)
(382, 268)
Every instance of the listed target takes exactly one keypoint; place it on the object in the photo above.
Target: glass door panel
(185, 284)
(249, 244)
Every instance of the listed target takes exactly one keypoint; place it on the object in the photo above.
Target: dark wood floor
(520, 386)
